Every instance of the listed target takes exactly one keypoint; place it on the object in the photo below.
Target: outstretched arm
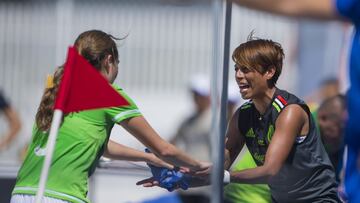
(318, 9)
(234, 144)
(121, 152)
(142, 130)
(290, 123)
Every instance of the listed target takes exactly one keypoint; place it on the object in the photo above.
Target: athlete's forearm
(8, 138)
(142, 130)
(120, 152)
(14, 127)
(198, 182)
(227, 160)
(172, 154)
(258, 175)
(274, 6)
(319, 9)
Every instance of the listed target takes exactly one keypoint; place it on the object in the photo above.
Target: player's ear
(270, 72)
(107, 63)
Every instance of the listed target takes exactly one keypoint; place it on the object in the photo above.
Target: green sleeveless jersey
(80, 142)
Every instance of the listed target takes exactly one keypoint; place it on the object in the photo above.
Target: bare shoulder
(292, 115)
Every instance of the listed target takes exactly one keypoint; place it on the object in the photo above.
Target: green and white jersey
(80, 143)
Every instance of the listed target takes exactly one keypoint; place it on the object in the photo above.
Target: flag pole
(50, 146)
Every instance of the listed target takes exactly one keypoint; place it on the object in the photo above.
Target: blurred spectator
(331, 117)
(328, 87)
(13, 120)
(193, 135)
(6, 138)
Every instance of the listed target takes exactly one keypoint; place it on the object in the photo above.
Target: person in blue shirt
(346, 10)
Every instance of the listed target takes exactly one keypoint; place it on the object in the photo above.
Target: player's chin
(245, 96)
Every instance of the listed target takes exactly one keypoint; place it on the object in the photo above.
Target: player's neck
(263, 101)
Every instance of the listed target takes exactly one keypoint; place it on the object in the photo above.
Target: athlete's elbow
(271, 171)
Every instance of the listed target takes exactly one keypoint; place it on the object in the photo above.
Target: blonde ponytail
(46, 108)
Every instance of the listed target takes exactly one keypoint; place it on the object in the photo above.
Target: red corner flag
(82, 87)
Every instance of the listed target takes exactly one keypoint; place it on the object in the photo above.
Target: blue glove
(173, 180)
(169, 179)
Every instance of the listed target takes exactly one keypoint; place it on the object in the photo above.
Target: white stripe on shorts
(21, 198)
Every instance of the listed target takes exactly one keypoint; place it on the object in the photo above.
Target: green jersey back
(80, 143)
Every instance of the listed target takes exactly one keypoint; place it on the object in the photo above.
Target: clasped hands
(172, 179)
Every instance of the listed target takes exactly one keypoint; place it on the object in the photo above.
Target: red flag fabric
(82, 87)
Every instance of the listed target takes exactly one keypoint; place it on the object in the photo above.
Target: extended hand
(204, 171)
(148, 182)
(169, 179)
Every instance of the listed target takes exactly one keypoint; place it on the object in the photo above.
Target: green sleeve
(121, 113)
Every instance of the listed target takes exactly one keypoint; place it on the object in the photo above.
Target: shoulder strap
(283, 99)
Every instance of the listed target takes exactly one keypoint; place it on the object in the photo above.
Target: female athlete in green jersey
(84, 136)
